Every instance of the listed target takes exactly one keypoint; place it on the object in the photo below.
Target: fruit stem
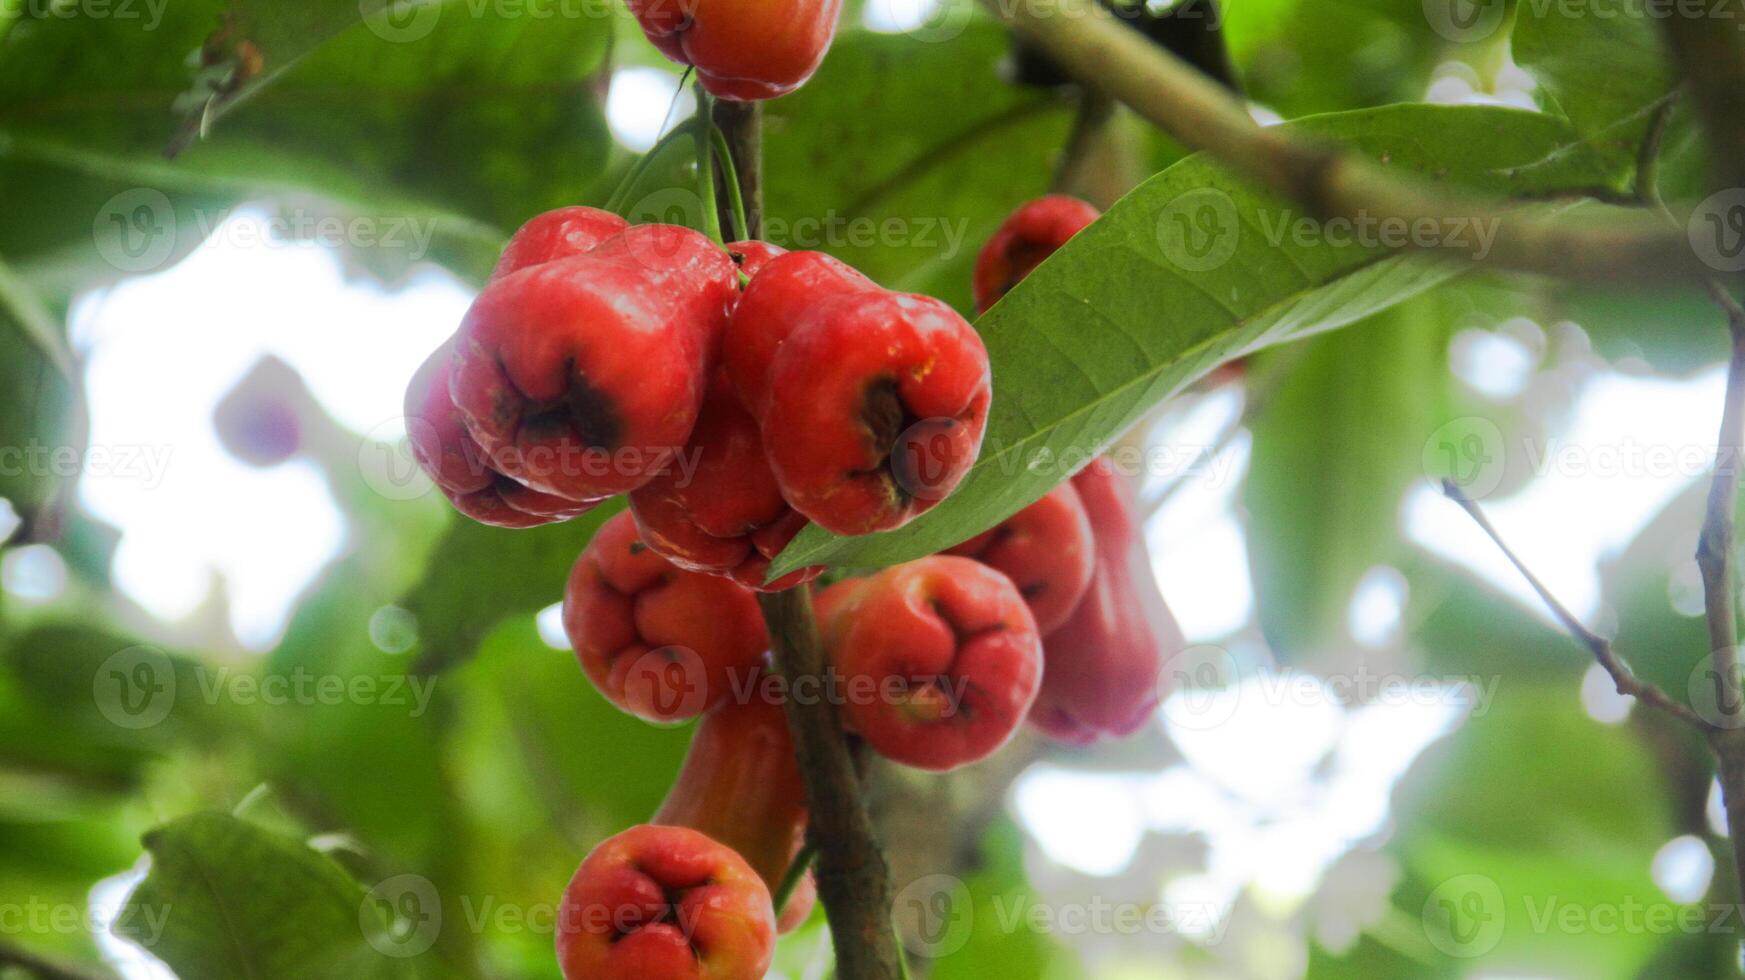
(730, 175)
(705, 166)
(796, 873)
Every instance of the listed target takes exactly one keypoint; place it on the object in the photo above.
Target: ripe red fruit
(744, 50)
(1046, 550)
(659, 642)
(721, 512)
(460, 468)
(872, 403)
(775, 300)
(582, 376)
(664, 903)
(741, 785)
(1032, 233)
(940, 659)
(1104, 664)
(555, 235)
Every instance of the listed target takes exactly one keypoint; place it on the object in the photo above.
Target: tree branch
(1714, 559)
(854, 882)
(1708, 47)
(742, 125)
(1622, 676)
(1090, 43)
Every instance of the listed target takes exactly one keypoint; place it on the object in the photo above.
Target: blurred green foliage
(423, 821)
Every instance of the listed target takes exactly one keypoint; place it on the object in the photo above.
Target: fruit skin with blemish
(459, 466)
(582, 376)
(1103, 667)
(659, 642)
(1047, 551)
(745, 50)
(1030, 234)
(950, 649)
(741, 785)
(872, 403)
(664, 903)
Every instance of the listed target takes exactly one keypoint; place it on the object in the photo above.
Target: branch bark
(854, 881)
(1090, 43)
(742, 124)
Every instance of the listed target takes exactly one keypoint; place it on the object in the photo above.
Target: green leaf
(37, 403)
(435, 143)
(1603, 74)
(861, 164)
(94, 706)
(1533, 808)
(479, 576)
(1673, 331)
(1335, 450)
(226, 899)
(1126, 314)
(999, 938)
(1298, 56)
(540, 709)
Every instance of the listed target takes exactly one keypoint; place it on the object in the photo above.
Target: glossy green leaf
(1189, 270)
(226, 899)
(478, 576)
(37, 414)
(1603, 73)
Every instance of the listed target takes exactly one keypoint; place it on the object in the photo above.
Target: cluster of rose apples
(735, 394)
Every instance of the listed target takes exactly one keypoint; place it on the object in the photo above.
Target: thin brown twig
(1622, 676)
